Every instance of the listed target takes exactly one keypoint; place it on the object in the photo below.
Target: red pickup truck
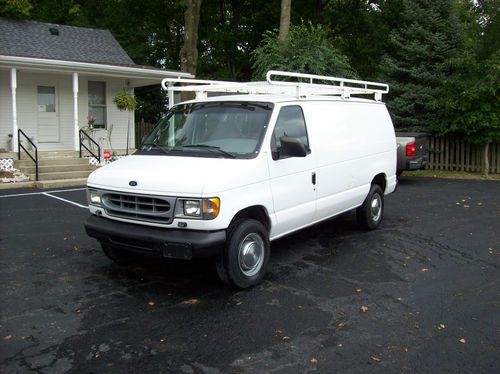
(413, 151)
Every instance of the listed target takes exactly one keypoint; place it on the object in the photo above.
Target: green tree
(470, 103)
(307, 49)
(427, 36)
(17, 9)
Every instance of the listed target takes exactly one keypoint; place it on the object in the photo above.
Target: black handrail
(19, 146)
(98, 157)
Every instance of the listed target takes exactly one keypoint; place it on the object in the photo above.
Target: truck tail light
(410, 149)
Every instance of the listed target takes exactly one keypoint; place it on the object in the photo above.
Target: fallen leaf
(151, 303)
(423, 270)
(65, 238)
(341, 324)
(405, 349)
(97, 354)
(458, 203)
(191, 302)
(8, 337)
(279, 332)
(462, 341)
(375, 358)
(286, 338)
(479, 204)
(363, 309)
(238, 303)
(78, 311)
(340, 345)
(466, 206)
(314, 360)
(359, 290)
(441, 326)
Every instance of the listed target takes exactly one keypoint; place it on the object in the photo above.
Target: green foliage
(17, 9)
(470, 102)
(427, 36)
(125, 101)
(307, 49)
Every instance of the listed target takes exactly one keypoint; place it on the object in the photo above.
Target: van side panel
(353, 142)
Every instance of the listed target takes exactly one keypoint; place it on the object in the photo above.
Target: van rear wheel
(120, 257)
(370, 214)
(246, 254)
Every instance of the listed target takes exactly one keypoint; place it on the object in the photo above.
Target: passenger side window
(291, 123)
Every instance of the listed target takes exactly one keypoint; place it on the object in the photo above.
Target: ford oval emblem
(132, 183)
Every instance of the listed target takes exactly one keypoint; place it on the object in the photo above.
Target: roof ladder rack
(292, 84)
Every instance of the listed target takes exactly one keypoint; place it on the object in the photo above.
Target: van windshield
(211, 129)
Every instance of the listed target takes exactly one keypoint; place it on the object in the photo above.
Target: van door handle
(314, 178)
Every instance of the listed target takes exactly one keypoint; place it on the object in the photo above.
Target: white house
(52, 77)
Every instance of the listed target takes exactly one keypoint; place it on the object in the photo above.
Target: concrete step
(51, 162)
(60, 183)
(57, 168)
(60, 175)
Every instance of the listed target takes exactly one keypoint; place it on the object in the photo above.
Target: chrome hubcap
(251, 254)
(376, 207)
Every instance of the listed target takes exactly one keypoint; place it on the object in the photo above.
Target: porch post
(75, 111)
(13, 88)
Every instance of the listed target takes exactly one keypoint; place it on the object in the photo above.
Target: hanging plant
(125, 101)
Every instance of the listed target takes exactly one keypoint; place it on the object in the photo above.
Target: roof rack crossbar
(316, 85)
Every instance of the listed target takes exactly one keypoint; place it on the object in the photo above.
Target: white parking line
(67, 201)
(49, 194)
(42, 193)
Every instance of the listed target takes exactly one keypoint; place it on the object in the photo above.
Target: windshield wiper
(153, 145)
(211, 148)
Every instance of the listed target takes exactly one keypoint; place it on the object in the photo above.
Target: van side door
(292, 178)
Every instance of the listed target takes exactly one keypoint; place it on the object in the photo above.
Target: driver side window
(290, 123)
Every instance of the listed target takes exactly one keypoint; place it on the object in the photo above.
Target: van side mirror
(292, 147)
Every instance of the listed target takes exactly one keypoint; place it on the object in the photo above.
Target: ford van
(244, 164)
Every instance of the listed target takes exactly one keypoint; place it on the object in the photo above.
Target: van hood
(178, 176)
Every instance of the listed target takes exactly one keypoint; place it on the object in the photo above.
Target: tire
(120, 257)
(244, 260)
(370, 214)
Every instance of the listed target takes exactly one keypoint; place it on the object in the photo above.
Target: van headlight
(93, 197)
(198, 208)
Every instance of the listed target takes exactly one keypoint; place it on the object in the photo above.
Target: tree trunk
(284, 19)
(486, 160)
(189, 51)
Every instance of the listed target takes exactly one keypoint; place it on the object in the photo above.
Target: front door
(293, 179)
(48, 114)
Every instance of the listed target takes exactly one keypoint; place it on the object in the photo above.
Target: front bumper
(170, 243)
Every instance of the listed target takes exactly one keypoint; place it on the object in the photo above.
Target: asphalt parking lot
(421, 294)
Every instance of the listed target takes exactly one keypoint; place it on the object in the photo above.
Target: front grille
(139, 207)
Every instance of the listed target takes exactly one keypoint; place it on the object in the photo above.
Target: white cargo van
(244, 164)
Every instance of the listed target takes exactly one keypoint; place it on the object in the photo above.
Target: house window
(97, 103)
(46, 99)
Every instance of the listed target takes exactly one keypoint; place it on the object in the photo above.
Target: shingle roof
(34, 39)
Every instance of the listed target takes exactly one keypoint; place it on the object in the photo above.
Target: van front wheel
(246, 254)
(370, 214)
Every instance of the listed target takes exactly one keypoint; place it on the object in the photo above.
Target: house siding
(27, 108)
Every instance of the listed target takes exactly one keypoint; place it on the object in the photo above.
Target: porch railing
(20, 146)
(83, 136)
